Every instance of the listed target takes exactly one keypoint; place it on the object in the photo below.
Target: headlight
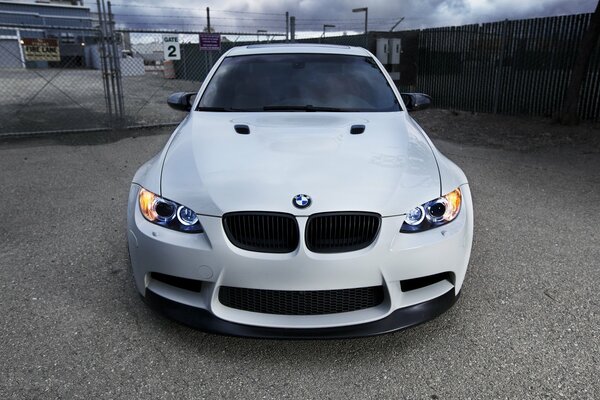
(167, 213)
(434, 213)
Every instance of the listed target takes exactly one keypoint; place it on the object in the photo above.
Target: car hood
(388, 169)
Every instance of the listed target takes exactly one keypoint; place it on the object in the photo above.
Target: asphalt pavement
(527, 324)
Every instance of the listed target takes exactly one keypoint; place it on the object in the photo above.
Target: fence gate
(156, 63)
(79, 73)
(153, 65)
(74, 77)
(48, 81)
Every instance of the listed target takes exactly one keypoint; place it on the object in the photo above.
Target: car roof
(297, 48)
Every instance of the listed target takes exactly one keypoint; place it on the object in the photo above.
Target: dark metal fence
(195, 64)
(510, 67)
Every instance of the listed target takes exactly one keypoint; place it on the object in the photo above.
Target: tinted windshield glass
(298, 82)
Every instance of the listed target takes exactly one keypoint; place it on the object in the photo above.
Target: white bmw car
(299, 199)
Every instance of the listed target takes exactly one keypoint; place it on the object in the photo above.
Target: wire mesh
(148, 79)
(39, 95)
(106, 78)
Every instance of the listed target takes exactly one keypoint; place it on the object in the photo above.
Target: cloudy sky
(252, 15)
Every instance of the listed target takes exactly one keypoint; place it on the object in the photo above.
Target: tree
(569, 114)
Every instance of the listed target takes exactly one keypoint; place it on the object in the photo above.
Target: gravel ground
(526, 326)
(507, 132)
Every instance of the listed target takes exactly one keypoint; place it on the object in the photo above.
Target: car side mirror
(181, 101)
(416, 101)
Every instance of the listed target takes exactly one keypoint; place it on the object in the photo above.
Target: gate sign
(210, 41)
(40, 49)
(171, 47)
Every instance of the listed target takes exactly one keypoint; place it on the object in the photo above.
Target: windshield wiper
(213, 109)
(308, 107)
(222, 109)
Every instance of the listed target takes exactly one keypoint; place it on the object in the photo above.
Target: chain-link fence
(94, 81)
(41, 92)
(103, 78)
(99, 79)
(64, 69)
(147, 79)
(68, 78)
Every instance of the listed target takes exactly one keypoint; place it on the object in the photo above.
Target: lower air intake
(304, 302)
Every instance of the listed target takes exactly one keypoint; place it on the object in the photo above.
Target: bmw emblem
(301, 201)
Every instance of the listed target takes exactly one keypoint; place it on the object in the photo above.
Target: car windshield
(299, 82)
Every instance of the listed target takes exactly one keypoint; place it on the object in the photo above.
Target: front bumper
(393, 258)
(204, 320)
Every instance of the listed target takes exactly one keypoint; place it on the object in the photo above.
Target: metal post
(209, 52)
(500, 68)
(110, 56)
(117, 61)
(208, 19)
(287, 26)
(183, 57)
(21, 48)
(366, 11)
(325, 26)
(258, 32)
(292, 29)
(103, 63)
(396, 24)
(366, 28)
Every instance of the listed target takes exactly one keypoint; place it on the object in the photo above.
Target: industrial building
(35, 34)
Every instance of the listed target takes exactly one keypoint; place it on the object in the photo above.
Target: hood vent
(357, 129)
(242, 129)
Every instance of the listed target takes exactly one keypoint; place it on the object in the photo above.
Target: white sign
(171, 47)
(41, 49)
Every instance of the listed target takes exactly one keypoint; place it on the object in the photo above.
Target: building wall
(44, 14)
(9, 53)
(52, 15)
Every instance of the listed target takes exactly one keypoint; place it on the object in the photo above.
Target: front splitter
(202, 319)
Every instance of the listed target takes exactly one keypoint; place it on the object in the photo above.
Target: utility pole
(287, 26)
(366, 11)
(258, 32)
(325, 26)
(292, 29)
